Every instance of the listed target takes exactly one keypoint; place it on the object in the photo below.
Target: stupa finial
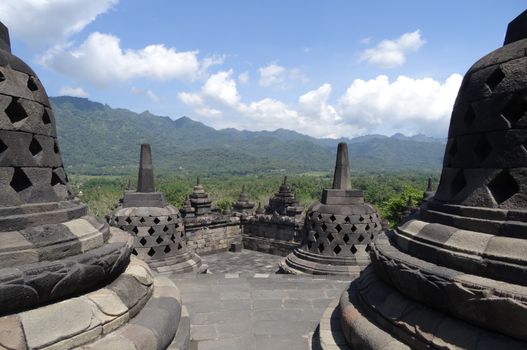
(341, 177)
(5, 43)
(429, 186)
(145, 180)
(517, 29)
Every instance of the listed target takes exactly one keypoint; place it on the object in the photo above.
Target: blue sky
(323, 68)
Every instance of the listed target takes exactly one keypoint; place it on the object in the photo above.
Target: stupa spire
(341, 177)
(145, 180)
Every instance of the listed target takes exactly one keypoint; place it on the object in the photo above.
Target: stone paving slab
(243, 304)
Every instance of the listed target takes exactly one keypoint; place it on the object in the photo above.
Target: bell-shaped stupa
(66, 277)
(284, 202)
(157, 227)
(243, 205)
(455, 275)
(338, 230)
(200, 201)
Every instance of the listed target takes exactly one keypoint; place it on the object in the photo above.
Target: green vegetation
(387, 192)
(99, 140)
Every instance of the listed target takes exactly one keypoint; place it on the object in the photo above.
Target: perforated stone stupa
(338, 230)
(66, 278)
(157, 227)
(455, 276)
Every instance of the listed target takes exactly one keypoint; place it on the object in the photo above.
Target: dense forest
(100, 146)
(388, 192)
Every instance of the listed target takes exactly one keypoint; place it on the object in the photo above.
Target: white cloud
(101, 61)
(222, 88)
(272, 74)
(243, 78)
(392, 53)
(46, 22)
(404, 105)
(191, 99)
(147, 93)
(366, 40)
(281, 77)
(315, 104)
(72, 91)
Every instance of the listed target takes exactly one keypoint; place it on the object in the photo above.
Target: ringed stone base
(376, 316)
(187, 263)
(136, 311)
(300, 262)
(268, 245)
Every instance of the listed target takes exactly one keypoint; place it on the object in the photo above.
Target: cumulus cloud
(378, 105)
(405, 104)
(40, 23)
(147, 93)
(222, 88)
(392, 53)
(281, 77)
(101, 61)
(72, 91)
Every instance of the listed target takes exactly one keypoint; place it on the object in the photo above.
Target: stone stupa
(455, 276)
(157, 227)
(200, 201)
(243, 205)
(284, 202)
(66, 277)
(338, 231)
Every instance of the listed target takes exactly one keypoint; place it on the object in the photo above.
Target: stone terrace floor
(243, 304)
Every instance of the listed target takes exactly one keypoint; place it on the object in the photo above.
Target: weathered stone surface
(453, 275)
(157, 228)
(517, 29)
(77, 319)
(11, 333)
(53, 254)
(284, 202)
(145, 180)
(242, 205)
(338, 231)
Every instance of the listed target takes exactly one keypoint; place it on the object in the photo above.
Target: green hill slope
(98, 139)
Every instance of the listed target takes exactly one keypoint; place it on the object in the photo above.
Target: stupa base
(300, 262)
(374, 315)
(136, 311)
(187, 263)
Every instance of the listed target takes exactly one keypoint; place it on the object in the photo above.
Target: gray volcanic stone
(338, 231)
(517, 29)
(145, 179)
(50, 248)
(284, 202)
(53, 253)
(242, 205)
(157, 228)
(4, 38)
(199, 201)
(454, 274)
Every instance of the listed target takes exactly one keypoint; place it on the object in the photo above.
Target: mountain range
(98, 139)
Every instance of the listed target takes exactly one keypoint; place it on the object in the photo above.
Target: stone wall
(276, 235)
(211, 236)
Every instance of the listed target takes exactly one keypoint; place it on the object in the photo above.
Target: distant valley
(98, 139)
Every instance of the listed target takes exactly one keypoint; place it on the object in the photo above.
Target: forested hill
(98, 139)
